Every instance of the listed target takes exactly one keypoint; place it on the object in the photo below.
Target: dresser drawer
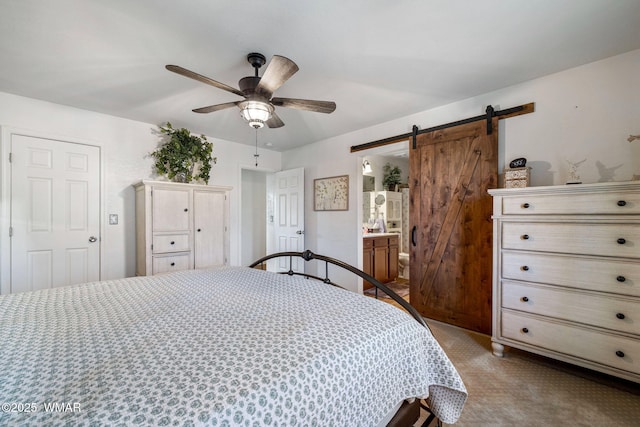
(607, 203)
(170, 243)
(618, 240)
(367, 243)
(614, 313)
(580, 342)
(164, 264)
(595, 274)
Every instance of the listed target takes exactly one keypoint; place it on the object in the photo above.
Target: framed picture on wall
(331, 194)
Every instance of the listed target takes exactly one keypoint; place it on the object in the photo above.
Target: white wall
(125, 146)
(582, 113)
(254, 216)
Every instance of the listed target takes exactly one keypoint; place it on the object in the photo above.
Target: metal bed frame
(408, 413)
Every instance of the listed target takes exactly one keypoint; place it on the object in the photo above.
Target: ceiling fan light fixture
(258, 105)
(256, 112)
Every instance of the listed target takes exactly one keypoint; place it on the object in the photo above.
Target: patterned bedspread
(229, 346)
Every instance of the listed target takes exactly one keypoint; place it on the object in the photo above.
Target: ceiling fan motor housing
(248, 85)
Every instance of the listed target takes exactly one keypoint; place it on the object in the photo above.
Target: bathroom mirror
(368, 183)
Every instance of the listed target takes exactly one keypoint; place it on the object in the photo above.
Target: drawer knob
(525, 268)
(622, 203)
(621, 279)
(621, 241)
(198, 230)
(173, 243)
(525, 205)
(172, 264)
(525, 330)
(620, 353)
(525, 299)
(186, 210)
(620, 316)
(526, 237)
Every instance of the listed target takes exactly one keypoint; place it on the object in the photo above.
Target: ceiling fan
(258, 106)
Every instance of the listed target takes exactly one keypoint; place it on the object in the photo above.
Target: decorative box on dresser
(566, 279)
(180, 226)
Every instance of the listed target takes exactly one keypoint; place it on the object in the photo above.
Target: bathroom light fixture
(255, 112)
(366, 167)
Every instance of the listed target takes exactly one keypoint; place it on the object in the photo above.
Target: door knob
(300, 232)
(93, 239)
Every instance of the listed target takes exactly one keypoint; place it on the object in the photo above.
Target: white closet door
(55, 213)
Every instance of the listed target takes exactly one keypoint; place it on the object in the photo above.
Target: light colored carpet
(523, 389)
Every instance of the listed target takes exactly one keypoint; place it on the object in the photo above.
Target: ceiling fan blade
(212, 108)
(305, 104)
(274, 121)
(278, 71)
(188, 73)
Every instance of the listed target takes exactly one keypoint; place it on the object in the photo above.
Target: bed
(222, 346)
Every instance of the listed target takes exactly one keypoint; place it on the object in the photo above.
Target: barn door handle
(413, 235)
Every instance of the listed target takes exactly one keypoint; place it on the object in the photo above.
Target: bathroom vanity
(380, 256)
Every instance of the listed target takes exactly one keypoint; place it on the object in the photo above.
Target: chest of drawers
(566, 274)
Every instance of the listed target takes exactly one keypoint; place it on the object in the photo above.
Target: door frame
(381, 150)
(238, 238)
(6, 133)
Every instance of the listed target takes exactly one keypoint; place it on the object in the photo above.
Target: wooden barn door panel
(451, 255)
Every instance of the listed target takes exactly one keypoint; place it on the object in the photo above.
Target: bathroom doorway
(385, 202)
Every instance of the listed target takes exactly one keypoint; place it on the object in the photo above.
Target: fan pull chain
(256, 155)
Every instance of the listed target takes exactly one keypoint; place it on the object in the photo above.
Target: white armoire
(180, 226)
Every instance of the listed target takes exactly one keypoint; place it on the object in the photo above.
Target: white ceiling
(377, 59)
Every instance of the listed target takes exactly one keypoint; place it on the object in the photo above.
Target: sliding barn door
(450, 224)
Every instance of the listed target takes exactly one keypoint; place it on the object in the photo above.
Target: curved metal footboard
(308, 256)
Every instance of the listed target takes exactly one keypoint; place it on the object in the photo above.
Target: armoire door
(450, 224)
(171, 209)
(209, 228)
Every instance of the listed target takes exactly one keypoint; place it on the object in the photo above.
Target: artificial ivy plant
(391, 175)
(182, 153)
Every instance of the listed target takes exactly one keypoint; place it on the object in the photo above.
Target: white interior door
(55, 213)
(289, 218)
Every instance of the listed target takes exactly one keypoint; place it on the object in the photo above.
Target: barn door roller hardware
(490, 113)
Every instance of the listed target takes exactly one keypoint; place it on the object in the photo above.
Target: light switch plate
(113, 219)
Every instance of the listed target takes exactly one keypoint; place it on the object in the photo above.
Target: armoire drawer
(615, 313)
(617, 240)
(164, 264)
(606, 203)
(581, 272)
(600, 347)
(170, 243)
